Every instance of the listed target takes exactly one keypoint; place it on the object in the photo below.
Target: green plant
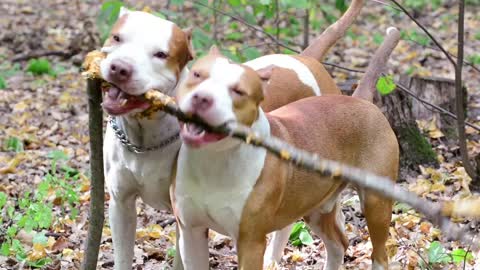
(3, 83)
(13, 144)
(385, 85)
(40, 66)
(300, 235)
(474, 59)
(438, 255)
(107, 17)
(33, 211)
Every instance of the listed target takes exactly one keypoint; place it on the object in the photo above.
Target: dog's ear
(214, 51)
(266, 72)
(123, 11)
(188, 35)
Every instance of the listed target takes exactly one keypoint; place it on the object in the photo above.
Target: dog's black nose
(120, 71)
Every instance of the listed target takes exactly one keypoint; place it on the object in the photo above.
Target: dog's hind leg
(123, 221)
(378, 213)
(276, 246)
(331, 228)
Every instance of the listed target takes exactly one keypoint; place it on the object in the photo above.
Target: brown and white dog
(246, 193)
(145, 52)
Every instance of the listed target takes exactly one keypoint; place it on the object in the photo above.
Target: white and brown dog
(145, 52)
(246, 193)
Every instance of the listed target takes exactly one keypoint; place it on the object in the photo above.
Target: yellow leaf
(420, 187)
(435, 134)
(51, 241)
(20, 106)
(296, 256)
(425, 227)
(155, 231)
(38, 252)
(438, 187)
(392, 247)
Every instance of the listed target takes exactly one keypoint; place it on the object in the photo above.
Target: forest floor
(47, 116)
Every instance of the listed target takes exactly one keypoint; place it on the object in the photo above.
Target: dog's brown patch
(116, 29)
(246, 107)
(180, 51)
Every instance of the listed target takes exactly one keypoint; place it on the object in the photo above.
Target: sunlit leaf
(385, 85)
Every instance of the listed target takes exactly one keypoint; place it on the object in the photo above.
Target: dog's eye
(237, 91)
(196, 74)
(161, 55)
(116, 38)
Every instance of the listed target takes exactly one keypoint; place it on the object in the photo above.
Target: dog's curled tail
(320, 46)
(367, 86)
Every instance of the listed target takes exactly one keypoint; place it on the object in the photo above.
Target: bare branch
(320, 46)
(426, 103)
(426, 32)
(367, 86)
(251, 26)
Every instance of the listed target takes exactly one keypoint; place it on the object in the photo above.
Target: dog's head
(218, 91)
(143, 52)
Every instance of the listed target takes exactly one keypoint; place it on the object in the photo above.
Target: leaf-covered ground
(44, 153)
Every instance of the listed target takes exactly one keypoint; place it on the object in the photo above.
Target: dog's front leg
(123, 221)
(194, 248)
(251, 248)
(177, 260)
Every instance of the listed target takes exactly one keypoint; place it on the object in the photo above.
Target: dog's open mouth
(117, 102)
(196, 136)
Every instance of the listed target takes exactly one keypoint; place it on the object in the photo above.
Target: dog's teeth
(123, 102)
(202, 133)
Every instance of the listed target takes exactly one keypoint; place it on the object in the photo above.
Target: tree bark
(462, 138)
(97, 191)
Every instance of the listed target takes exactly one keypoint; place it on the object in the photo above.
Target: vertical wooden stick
(97, 187)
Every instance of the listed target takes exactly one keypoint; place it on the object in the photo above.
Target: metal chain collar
(122, 137)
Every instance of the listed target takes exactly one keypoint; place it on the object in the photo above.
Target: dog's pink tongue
(114, 92)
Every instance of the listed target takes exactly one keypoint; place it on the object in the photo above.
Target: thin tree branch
(465, 62)
(97, 202)
(426, 103)
(385, 4)
(462, 139)
(277, 23)
(306, 29)
(251, 26)
(426, 32)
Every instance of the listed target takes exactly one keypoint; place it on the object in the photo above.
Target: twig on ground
(166, 222)
(32, 55)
